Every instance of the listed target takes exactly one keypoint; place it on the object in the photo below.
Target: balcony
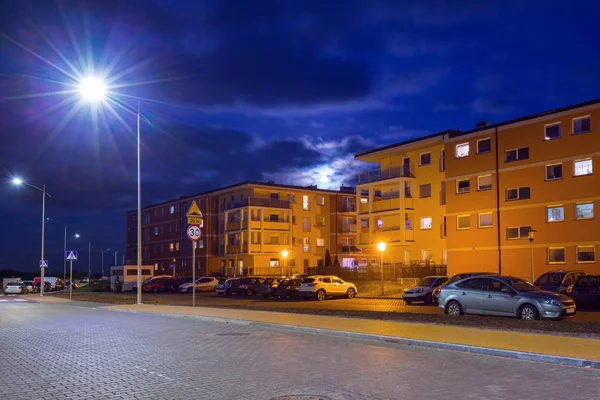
(276, 225)
(348, 207)
(383, 205)
(351, 249)
(364, 238)
(236, 248)
(349, 228)
(236, 226)
(392, 234)
(258, 202)
(363, 208)
(375, 175)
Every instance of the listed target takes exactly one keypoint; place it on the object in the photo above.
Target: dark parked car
(155, 285)
(47, 287)
(268, 286)
(255, 287)
(558, 281)
(173, 285)
(243, 285)
(288, 288)
(456, 278)
(586, 291)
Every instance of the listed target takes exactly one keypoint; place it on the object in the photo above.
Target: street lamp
(64, 249)
(531, 234)
(285, 254)
(93, 90)
(20, 182)
(77, 235)
(381, 247)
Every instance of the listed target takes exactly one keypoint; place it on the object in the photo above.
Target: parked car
(29, 286)
(558, 281)
(147, 281)
(268, 286)
(47, 287)
(288, 288)
(242, 285)
(254, 287)
(203, 284)
(504, 296)
(456, 278)
(172, 286)
(586, 291)
(154, 285)
(225, 285)
(423, 290)
(15, 288)
(323, 286)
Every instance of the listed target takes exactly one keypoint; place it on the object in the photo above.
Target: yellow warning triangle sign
(194, 211)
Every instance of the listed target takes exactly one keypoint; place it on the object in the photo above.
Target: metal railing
(374, 175)
(258, 202)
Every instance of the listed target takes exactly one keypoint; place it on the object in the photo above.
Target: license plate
(570, 310)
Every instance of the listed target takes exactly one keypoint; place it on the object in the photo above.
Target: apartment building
(402, 202)
(529, 178)
(246, 228)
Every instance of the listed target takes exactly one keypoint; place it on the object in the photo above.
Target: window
(170, 228)
(274, 196)
(305, 203)
(201, 244)
(586, 254)
(462, 150)
(554, 172)
(176, 207)
(306, 224)
(552, 131)
(516, 154)
(172, 209)
(518, 232)
(442, 160)
(556, 255)
(156, 231)
(292, 198)
(171, 246)
(176, 246)
(583, 167)
(320, 201)
(463, 186)
(274, 218)
(306, 244)
(474, 283)
(426, 223)
(463, 222)
(162, 211)
(274, 262)
(425, 159)
(379, 223)
(518, 193)
(320, 242)
(320, 220)
(584, 211)
(146, 218)
(484, 146)
(582, 125)
(555, 213)
(425, 190)
(484, 182)
(485, 220)
(177, 227)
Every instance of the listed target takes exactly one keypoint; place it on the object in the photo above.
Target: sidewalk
(537, 347)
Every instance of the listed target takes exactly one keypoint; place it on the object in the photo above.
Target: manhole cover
(302, 397)
(232, 334)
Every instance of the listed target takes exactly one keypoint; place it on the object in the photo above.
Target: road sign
(43, 263)
(72, 255)
(194, 215)
(194, 232)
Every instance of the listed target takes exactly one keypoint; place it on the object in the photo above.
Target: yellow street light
(285, 255)
(381, 247)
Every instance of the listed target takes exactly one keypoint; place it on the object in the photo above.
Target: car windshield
(550, 279)
(523, 286)
(426, 282)
(13, 284)
(28, 283)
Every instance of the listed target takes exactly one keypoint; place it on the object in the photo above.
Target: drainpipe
(499, 230)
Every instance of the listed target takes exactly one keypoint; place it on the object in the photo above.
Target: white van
(57, 283)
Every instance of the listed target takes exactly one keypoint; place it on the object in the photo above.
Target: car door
(471, 293)
(339, 286)
(327, 284)
(501, 299)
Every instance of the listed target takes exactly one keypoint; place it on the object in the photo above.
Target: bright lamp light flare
(92, 89)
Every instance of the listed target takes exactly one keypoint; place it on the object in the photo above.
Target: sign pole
(194, 274)
(70, 279)
(194, 233)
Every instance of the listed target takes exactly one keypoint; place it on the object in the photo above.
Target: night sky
(253, 90)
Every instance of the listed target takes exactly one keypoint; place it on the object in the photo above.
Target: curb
(519, 355)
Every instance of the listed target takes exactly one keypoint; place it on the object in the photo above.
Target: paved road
(13, 298)
(61, 351)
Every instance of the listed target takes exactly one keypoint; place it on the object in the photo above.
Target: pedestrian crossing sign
(72, 255)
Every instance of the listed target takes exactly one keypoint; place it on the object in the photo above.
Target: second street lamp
(77, 235)
(64, 248)
(285, 254)
(381, 247)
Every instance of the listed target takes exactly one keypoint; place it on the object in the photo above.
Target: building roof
(249, 183)
(404, 143)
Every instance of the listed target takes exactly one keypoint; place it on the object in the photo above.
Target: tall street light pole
(64, 248)
(77, 235)
(285, 254)
(20, 182)
(381, 247)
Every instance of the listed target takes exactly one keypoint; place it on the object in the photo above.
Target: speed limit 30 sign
(194, 232)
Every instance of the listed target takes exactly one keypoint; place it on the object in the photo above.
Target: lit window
(306, 224)
(364, 200)
(581, 125)
(484, 182)
(485, 220)
(426, 223)
(320, 220)
(555, 214)
(305, 203)
(274, 262)
(380, 223)
(425, 159)
(552, 131)
(306, 248)
(556, 255)
(156, 231)
(586, 254)
(583, 167)
(516, 154)
(177, 246)
(172, 209)
(320, 201)
(171, 246)
(584, 210)
(484, 146)
(463, 222)
(320, 242)
(462, 150)
(201, 244)
(463, 186)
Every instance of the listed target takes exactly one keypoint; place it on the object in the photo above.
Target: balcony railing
(348, 207)
(400, 171)
(349, 228)
(258, 202)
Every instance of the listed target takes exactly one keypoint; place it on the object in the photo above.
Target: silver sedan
(503, 296)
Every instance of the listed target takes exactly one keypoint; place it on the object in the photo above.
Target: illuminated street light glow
(17, 181)
(92, 89)
(284, 253)
(381, 246)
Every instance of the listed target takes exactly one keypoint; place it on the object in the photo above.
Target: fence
(391, 272)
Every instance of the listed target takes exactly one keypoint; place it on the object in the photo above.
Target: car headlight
(551, 302)
(420, 290)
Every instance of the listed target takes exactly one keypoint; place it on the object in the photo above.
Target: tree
(336, 262)
(327, 259)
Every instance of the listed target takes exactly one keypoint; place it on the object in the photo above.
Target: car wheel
(529, 312)
(351, 293)
(189, 290)
(249, 292)
(228, 292)
(408, 302)
(454, 308)
(220, 293)
(428, 299)
(321, 295)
